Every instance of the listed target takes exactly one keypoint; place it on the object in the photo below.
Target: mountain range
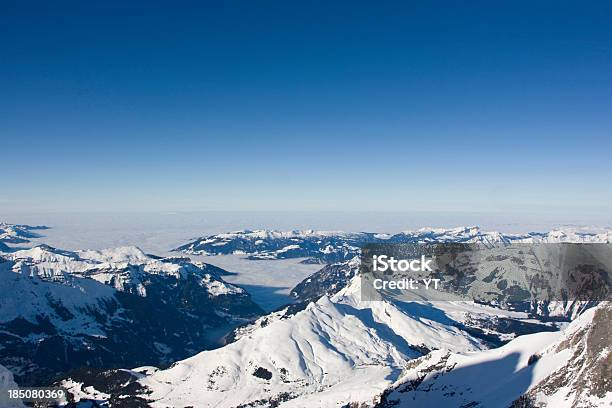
(340, 351)
(331, 348)
(62, 310)
(335, 246)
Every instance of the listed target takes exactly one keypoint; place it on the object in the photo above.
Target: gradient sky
(317, 105)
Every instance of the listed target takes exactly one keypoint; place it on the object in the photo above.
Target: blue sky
(449, 106)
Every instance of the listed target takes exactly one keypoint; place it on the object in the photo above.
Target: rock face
(327, 281)
(112, 308)
(564, 369)
(585, 379)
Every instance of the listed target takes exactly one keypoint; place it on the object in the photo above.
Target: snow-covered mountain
(124, 308)
(335, 246)
(317, 246)
(61, 310)
(559, 369)
(337, 350)
(12, 234)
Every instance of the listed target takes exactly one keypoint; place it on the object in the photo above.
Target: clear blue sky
(312, 105)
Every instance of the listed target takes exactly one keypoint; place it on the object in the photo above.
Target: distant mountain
(317, 246)
(335, 246)
(562, 369)
(119, 307)
(17, 234)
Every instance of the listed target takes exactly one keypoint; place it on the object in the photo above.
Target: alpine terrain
(121, 328)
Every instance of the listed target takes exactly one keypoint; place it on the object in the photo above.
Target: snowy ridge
(124, 268)
(117, 306)
(12, 234)
(274, 234)
(17, 234)
(335, 246)
(317, 246)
